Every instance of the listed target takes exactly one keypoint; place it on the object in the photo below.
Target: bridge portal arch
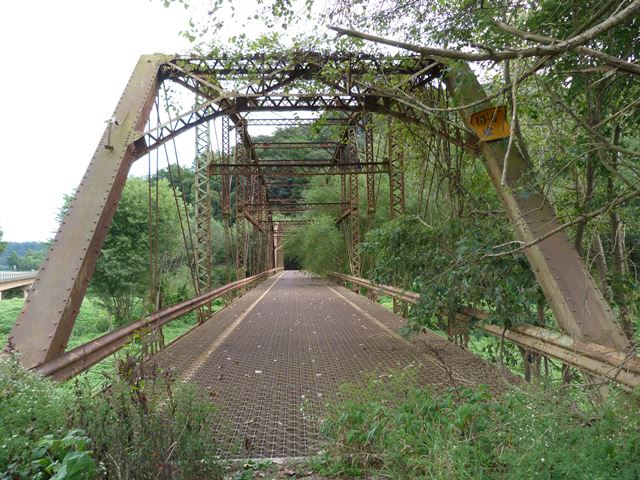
(355, 85)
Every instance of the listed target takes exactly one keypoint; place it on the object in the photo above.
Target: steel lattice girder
(354, 218)
(371, 178)
(294, 145)
(243, 188)
(202, 187)
(225, 157)
(299, 169)
(396, 174)
(294, 122)
(264, 75)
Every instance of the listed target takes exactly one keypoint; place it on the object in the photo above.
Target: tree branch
(606, 58)
(581, 218)
(556, 48)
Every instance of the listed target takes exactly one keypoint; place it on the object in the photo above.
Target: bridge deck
(275, 356)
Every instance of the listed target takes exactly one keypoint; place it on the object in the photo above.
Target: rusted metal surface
(310, 168)
(592, 358)
(267, 87)
(577, 304)
(371, 178)
(243, 187)
(202, 204)
(45, 323)
(276, 356)
(396, 172)
(85, 356)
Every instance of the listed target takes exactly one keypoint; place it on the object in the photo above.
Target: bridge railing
(12, 276)
(81, 358)
(592, 358)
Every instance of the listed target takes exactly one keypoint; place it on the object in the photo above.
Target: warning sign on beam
(491, 124)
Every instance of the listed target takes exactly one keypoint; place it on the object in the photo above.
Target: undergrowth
(394, 429)
(137, 428)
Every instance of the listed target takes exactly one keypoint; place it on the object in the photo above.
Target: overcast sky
(64, 66)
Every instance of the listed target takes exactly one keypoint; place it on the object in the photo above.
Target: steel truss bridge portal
(346, 93)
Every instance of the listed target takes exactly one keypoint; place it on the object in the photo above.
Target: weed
(150, 427)
(392, 428)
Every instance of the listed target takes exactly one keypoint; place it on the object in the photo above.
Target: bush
(150, 428)
(30, 408)
(138, 428)
(57, 459)
(397, 430)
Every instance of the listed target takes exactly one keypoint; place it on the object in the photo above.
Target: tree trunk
(601, 266)
(619, 255)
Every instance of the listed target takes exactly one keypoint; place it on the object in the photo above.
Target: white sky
(64, 66)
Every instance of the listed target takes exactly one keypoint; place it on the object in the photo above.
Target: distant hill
(20, 248)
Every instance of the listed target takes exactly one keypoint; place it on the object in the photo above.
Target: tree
(319, 248)
(122, 277)
(31, 260)
(3, 245)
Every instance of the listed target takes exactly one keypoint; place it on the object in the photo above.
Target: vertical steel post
(242, 190)
(579, 307)
(371, 177)
(202, 184)
(354, 217)
(46, 321)
(396, 172)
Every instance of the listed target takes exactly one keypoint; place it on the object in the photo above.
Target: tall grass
(395, 429)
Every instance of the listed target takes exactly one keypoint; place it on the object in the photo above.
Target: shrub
(397, 430)
(138, 428)
(30, 408)
(52, 458)
(151, 429)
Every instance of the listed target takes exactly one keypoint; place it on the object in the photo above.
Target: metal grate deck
(274, 357)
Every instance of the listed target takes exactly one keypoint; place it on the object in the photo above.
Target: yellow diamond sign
(491, 124)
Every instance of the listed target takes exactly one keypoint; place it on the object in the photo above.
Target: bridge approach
(13, 280)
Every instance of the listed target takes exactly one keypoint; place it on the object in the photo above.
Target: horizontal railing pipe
(81, 358)
(620, 367)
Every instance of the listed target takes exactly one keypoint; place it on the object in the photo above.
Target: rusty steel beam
(299, 169)
(284, 203)
(592, 358)
(293, 145)
(225, 157)
(242, 194)
(253, 221)
(396, 173)
(291, 222)
(202, 201)
(85, 356)
(353, 192)
(578, 305)
(45, 323)
(295, 122)
(371, 177)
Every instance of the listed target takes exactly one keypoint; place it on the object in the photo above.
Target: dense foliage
(135, 428)
(22, 256)
(122, 273)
